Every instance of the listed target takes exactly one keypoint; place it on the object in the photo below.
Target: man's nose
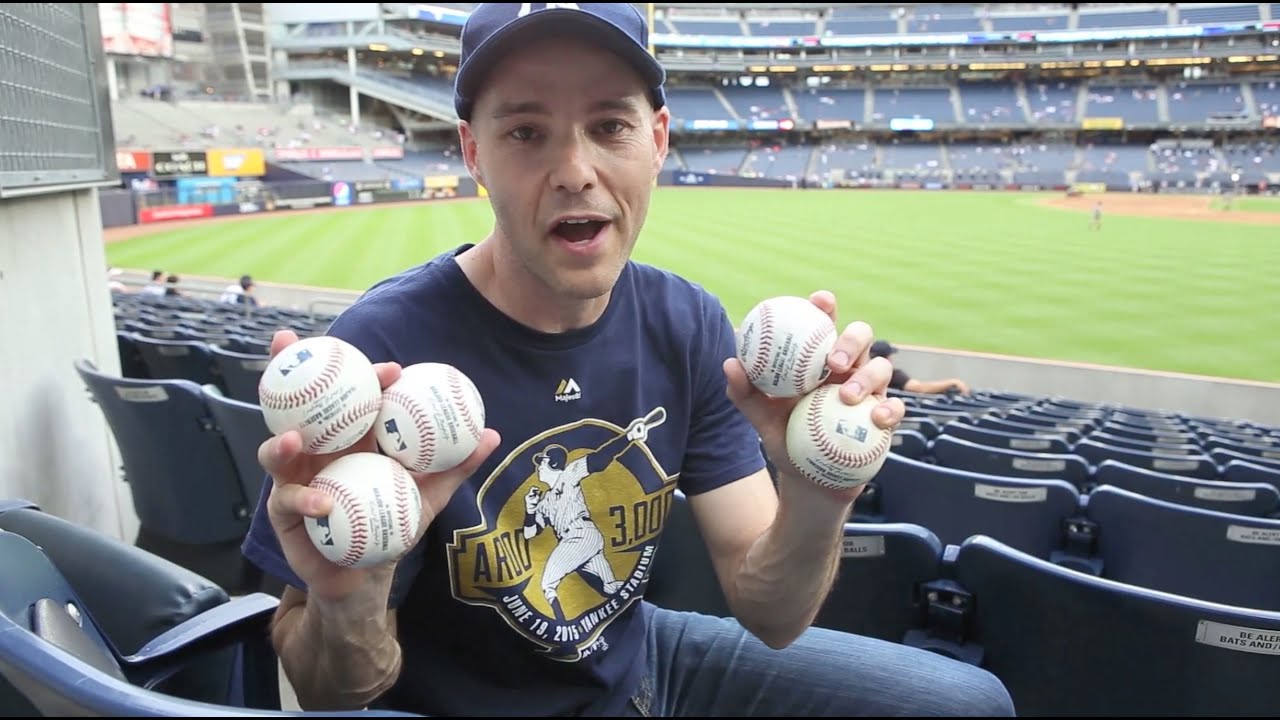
(574, 168)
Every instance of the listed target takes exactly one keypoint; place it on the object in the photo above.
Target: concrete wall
(55, 446)
(1190, 394)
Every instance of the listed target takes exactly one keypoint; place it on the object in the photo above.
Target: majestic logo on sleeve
(569, 529)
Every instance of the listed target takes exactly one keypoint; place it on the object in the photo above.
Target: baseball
(324, 388)
(375, 515)
(834, 444)
(431, 418)
(783, 345)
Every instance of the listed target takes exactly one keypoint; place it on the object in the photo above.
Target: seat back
(1243, 471)
(1048, 442)
(176, 359)
(240, 372)
(1252, 499)
(877, 588)
(1213, 556)
(36, 601)
(909, 443)
(244, 430)
(134, 596)
(185, 487)
(955, 504)
(965, 455)
(1194, 466)
(1067, 643)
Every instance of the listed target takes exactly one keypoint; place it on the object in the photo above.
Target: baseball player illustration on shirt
(562, 507)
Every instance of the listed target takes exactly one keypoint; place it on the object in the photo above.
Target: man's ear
(661, 137)
(467, 140)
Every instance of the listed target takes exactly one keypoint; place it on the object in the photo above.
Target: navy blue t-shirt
(504, 611)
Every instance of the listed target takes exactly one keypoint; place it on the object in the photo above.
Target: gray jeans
(707, 666)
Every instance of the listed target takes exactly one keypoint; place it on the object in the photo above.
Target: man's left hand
(851, 366)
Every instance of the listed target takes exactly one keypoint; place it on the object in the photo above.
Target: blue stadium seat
(1258, 447)
(1048, 442)
(1072, 435)
(1207, 555)
(1244, 471)
(909, 443)
(238, 372)
(1252, 499)
(923, 425)
(55, 662)
(1194, 466)
(964, 455)
(244, 430)
(184, 484)
(176, 359)
(1069, 644)
(954, 505)
(877, 590)
(1147, 446)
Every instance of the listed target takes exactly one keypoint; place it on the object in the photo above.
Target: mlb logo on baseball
(325, 389)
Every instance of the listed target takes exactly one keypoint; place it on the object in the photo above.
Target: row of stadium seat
(1065, 643)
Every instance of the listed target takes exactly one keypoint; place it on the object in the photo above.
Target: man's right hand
(291, 498)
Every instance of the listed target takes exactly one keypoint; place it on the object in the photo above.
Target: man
(156, 285)
(563, 121)
(900, 380)
(240, 293)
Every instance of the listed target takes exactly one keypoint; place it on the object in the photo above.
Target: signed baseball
(431, 418)
(376, 511)
(834, 444)
(783, 345)
(324, 388)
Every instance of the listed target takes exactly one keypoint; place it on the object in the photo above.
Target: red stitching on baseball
(464, 407)
(344, 421)
(422, 423)
(277, 400)
(355, 518)
(832, 451)
(400, 480)
(805, 355)
(763, 345)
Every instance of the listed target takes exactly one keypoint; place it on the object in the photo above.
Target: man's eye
(524, 133)
(612, 127)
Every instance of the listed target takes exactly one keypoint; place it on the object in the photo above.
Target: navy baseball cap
(494, 28)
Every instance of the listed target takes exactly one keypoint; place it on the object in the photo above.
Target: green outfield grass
(986, 272)
(1257, 204)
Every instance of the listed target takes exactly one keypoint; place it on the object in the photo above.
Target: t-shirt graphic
(558, 555)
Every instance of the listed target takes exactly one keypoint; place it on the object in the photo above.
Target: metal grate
(54, 119)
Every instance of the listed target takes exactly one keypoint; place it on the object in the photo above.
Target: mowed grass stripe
(989, 272)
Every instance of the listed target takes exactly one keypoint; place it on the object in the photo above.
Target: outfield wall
(1189, 394)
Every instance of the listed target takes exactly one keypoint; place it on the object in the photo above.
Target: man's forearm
(340, 654)
(788, 572)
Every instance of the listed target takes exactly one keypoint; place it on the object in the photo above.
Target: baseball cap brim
(483, 58)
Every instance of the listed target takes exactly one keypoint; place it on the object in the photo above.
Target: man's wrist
(814, 502)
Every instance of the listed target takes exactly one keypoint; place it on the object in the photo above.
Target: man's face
(566, 142)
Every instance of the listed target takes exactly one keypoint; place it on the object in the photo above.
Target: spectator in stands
(902, 381)
(240, 293)
(113, 280)
(513, 600)
(156, 286)
(171, 287)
